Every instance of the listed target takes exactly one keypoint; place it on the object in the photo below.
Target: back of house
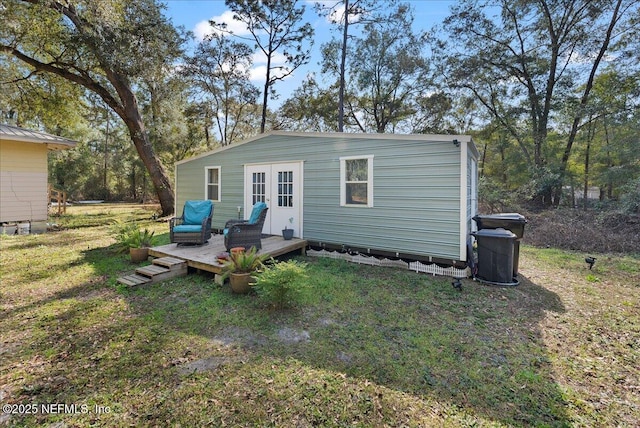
(409, 196)
(23, 176)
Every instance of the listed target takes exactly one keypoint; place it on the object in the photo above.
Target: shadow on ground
(479, 349)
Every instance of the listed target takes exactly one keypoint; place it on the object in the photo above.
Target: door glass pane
(258, 187)
(285, 188)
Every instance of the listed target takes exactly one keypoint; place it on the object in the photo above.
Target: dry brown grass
(588, 231)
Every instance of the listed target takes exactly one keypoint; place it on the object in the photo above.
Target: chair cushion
(186, 228)
(196, 211)
(256, 211)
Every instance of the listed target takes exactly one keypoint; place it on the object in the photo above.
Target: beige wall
(23, 181)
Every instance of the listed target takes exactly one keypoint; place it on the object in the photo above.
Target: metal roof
(345, 135)
(53, 142)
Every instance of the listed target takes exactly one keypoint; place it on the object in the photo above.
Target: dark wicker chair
(194, 226)
(246, 233)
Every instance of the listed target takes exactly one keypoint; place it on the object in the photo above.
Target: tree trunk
(590, 135)
(158, 175)
(609, 161)
(343, 61)
(585, 192)
(585, 98)
(130, 114)
(267, 85)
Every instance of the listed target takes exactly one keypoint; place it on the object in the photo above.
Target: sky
(194, 15)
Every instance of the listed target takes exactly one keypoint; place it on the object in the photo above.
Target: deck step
(152, 270)
(168, 262)
(161, 268)
(133, 280)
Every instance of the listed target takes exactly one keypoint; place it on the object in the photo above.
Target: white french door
(280, 187)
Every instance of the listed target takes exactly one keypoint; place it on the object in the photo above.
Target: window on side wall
(212, 187)
(356, 181)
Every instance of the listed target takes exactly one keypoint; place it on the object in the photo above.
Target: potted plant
(240, 267)
(131, 238)
(287, 233)
(141, 240)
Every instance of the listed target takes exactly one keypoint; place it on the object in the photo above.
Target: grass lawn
(367, 346)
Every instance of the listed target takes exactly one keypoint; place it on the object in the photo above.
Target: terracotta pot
(240, 282)
(236, 250)
(138, 254)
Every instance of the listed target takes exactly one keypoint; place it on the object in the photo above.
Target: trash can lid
(514, 217)
(495, 233)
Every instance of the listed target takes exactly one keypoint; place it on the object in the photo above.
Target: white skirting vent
(434, 269)
(431, 268)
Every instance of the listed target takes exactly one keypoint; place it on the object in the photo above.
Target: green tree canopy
(276, 27)
(523, 60)
(105, 47)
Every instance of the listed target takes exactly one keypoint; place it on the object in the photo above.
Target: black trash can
(513, 222)
(495, 256)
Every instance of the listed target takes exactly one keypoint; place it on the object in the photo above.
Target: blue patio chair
(246, 233)
(194, 226)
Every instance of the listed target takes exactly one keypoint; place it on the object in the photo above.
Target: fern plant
(130, 235)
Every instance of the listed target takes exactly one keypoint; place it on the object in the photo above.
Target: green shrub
(630, 197)
(281, 284)
(493, 195)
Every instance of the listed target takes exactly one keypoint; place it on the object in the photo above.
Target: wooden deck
(204, 257)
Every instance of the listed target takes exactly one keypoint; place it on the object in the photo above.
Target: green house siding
(416, 188)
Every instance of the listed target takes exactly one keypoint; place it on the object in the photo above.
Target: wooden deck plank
(133, 280)
(203, 257)
(152, 270)
(168, 262)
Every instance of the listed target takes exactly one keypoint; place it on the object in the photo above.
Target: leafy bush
(281, 284)
(492, 195)
(630, 197)
(129, 235)
(540, 187)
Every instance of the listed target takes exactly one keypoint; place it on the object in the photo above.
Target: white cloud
(259, 70)
(336, 11)
(582, 59)
(276, 58)
(203, 28)
(258, 73)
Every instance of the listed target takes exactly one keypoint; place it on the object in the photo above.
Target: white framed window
(356, 181)
(212, 183)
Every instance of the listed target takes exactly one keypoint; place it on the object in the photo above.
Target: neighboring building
(23, 175)
(410, 196)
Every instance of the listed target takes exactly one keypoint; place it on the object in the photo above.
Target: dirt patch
(588, 231)
(208, 364)
(242, 337)
(291, 335)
